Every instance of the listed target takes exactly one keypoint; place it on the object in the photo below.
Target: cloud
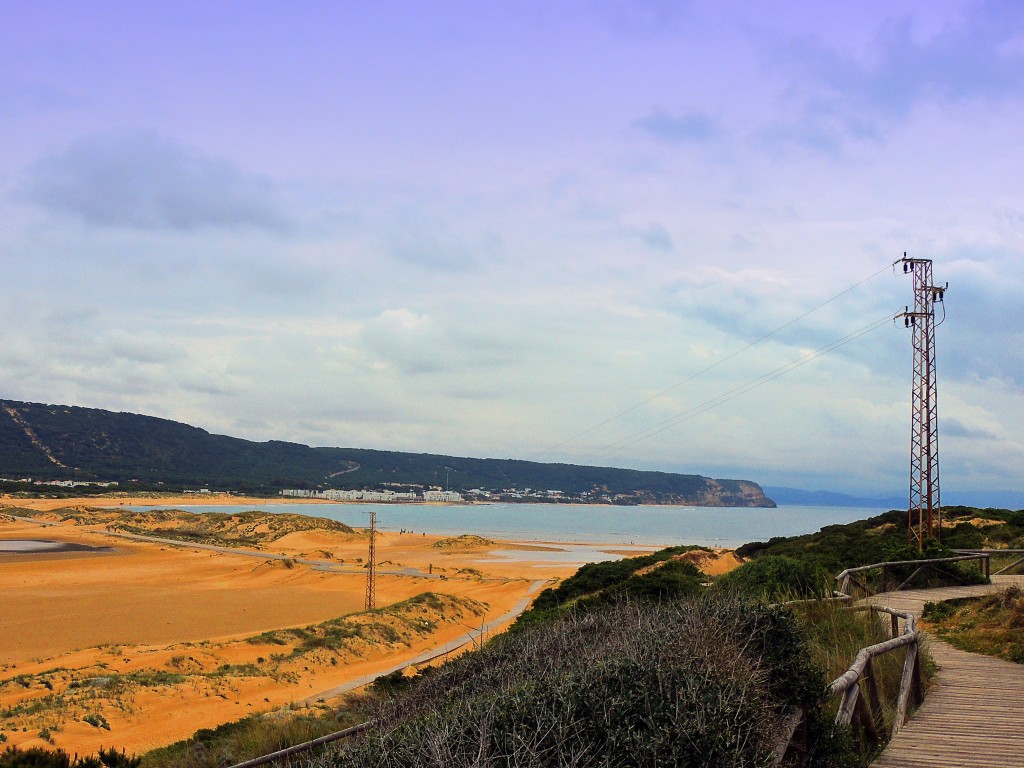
(143, 181)
(433, 245)
(983, 334)
(950, 427)
(404, 340)
(656, 237)
(846, 95)
(690, 127)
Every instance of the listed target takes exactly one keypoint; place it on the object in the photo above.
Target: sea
(641, 526)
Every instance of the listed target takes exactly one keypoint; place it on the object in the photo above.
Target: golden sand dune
(252, 528)
(157, 640)
(712, 562)
(309, 543)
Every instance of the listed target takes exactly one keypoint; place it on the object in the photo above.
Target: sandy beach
(154, 640)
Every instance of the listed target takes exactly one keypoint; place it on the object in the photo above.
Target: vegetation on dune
(45, 758)
(656, 575)
(983, 528)
(255, 736)
(874, 540)
(465, 541)
(401, 622)
(625, 683)
(245, 529)
(993, 624)
(778, 578)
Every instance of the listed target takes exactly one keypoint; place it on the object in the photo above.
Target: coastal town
(503, 495)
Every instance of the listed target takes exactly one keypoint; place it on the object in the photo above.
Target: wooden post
(895, 624)
(862, 586)
(907, 687)
(794, 719)
(845, 714)
(877, 714)
(867, 725)
(918, 690)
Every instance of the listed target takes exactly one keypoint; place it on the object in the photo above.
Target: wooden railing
(868, 709)
(860, 702)
(995, 552)
(848, 578)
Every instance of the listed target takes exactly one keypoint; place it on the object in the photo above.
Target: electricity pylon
(371, 587)
(924, 513)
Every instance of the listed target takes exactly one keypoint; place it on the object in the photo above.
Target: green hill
(53, 442)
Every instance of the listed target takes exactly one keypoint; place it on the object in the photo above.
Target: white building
(442, 496)
(336, 495)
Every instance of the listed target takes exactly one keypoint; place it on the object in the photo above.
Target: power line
(732, 394)
(711, 367)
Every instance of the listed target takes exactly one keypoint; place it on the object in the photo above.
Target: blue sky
(486, 228)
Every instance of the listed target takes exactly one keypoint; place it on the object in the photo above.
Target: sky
(523, 229)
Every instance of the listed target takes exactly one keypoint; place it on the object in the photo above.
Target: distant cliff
(52, 442)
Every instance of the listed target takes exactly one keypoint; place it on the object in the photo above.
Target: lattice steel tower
(371, 587)
(924, 515)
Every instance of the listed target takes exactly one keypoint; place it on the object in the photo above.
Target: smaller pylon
(371, 565)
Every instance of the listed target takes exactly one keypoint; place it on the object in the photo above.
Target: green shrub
(391, 682)
(777, 577)
(96, 720)
(36, 757)
(111, 758)
(938, 611)
(964, 536)
(597, 583)
(674, 578)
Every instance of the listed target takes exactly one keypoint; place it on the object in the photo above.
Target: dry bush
(701, 682)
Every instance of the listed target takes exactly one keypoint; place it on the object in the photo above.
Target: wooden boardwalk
(973, 716)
